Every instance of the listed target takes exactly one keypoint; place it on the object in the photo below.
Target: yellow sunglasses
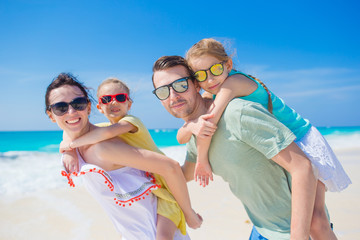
(216, 70)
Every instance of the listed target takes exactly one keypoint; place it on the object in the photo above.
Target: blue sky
(307, 52)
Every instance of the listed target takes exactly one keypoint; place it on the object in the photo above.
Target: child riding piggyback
(213, 70)
(114, 102)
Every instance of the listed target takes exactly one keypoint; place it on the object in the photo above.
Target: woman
(114, 170)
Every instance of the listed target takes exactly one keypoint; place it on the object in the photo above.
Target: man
(250, 150)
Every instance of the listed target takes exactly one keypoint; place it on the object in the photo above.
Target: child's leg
(320, 227)
(165, 228)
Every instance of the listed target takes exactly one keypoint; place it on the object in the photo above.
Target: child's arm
(203, 171)
(69, 158)
(203, 132)
(70, 161)
(234, 86)
(103, 133)
(184, 134)
(201, 127)
(207, 95)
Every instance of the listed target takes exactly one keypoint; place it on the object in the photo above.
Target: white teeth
(74, 121)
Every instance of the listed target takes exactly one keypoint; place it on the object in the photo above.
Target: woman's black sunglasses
(78, 104)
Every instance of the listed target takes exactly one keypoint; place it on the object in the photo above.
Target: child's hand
(70, 161)
(65, 146)
(203, 173)
(193, 220)
(203, 128)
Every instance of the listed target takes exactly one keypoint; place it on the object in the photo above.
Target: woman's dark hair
(61, 80)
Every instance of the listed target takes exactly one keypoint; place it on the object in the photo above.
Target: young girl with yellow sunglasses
(213, 70)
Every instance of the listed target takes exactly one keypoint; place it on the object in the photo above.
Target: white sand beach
(71, 213)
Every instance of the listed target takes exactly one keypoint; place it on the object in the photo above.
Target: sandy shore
(72, 214)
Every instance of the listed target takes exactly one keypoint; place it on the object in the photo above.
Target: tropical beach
(306, 52)
(37, 203)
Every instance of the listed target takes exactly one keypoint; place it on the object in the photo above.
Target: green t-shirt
(247, 137)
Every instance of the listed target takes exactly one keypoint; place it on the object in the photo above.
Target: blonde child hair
(212, 47)
(115, 81)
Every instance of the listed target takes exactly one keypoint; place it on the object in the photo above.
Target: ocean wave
(178, 153)
(50, 148)
(23, 172)
(341, 141)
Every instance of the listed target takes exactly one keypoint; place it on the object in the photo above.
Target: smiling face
(73, 122)
(180, 105)
(213, 83)
(114, 110)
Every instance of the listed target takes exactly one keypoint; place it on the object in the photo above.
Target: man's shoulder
(238, 105)
(239, 102)
(240, 111)
(244, 105)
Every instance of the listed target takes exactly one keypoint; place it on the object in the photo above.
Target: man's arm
(303, 189)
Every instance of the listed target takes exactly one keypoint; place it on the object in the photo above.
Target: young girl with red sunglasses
(114, 102)
(212, 66)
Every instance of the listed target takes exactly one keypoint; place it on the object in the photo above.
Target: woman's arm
(117, 152)
(102, 133)
(303, 189)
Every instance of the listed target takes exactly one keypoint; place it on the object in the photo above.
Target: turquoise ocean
(29, 160)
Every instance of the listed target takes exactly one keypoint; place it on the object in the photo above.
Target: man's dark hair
(166, 62)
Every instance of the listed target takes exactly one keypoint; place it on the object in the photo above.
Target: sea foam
(344, 141)
(23, 172)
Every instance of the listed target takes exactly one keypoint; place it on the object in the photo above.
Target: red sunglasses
(120, 97)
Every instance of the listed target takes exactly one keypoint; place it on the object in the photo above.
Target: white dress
(126, 196)
(326, 166)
